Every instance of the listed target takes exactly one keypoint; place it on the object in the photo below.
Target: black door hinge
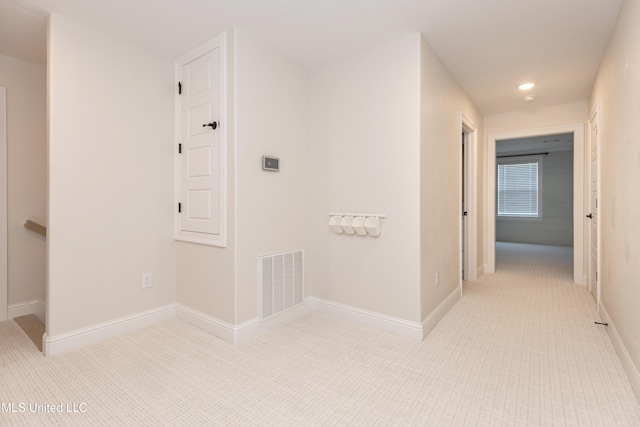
(179, 207)
(179, 88)
(179, 148)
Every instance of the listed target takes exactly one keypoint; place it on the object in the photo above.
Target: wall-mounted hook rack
(375, 215)
(351, 223)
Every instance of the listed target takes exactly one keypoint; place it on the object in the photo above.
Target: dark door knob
(212, 124)
(590, 216)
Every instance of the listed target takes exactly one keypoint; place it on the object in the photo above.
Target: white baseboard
(481, 270)
(35, 306)
(436, 315)
(239, 333)
(625, 358)
(58, 344)
(392, 324)
(235, 333)
(406, 328)
(223, 330)
(257, 327)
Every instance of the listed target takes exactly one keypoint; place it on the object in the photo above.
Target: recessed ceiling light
(526, 86)
(528, 98)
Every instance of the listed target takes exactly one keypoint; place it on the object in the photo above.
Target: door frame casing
(578, 192)
(4, 308)
(471, 164)
(594, 118)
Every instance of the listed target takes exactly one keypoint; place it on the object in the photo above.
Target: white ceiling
(490, 46)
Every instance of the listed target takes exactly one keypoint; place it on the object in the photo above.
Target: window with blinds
(519, 187)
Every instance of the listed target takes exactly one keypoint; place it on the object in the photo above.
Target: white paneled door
(468, 202)
(201, 150)
(465, 186)
(594, 280)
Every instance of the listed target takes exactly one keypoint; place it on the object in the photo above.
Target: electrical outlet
(146, 280)
(437, 277)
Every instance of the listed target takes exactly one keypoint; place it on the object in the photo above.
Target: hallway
(514, 351)
(531, 331)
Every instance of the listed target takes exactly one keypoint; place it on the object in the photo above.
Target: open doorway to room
(24, 189)
(534, 194)
(23, 75)
(535, 197)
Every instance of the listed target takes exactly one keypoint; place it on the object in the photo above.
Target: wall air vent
(281, 281)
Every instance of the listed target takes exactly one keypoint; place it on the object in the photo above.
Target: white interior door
(464, 213)
(594, 282)
(4, 310)
(201, 152)
(468, 201)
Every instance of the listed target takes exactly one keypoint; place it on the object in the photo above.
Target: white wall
(555, 227)
(442, 100)
(111, 178)
(536, 118)
(365, 157)
(27, 176)
(617, 88)
(206, 277)
(272, 114)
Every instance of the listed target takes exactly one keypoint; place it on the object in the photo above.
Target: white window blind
(519, 187)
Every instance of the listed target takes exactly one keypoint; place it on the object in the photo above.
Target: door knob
(212, 124)
(590, 216)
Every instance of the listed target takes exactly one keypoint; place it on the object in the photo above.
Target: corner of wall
(442, 100)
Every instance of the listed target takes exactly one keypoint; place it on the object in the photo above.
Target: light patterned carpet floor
(519, 349)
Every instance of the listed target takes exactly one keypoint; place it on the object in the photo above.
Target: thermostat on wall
(270, 163)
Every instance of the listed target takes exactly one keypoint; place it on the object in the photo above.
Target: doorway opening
(468, 202)
(593, 217)
(573, 227)
(535, 191)
(23, 190)
(3, 207)
(465, 188)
